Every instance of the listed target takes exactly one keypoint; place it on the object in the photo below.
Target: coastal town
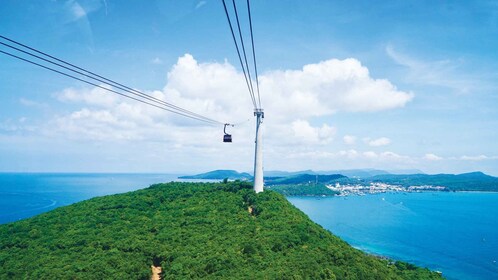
(374, 187)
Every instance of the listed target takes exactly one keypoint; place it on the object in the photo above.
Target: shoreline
(388, 192)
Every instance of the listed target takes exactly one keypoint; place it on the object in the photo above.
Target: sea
(452, 232)
(455, 233)
(23, 195)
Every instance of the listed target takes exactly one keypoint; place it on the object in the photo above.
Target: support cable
(102, 79)
(238, 53)
(253, 52)
(243, 47)
(110, 90)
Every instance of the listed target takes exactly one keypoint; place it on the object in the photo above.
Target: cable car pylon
(258, 112)
(258, 152)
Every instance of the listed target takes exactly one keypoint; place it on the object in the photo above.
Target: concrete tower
(258, 152)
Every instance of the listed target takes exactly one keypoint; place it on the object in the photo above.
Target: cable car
(227, 138)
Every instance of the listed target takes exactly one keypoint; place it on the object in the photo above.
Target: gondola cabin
(227, 138)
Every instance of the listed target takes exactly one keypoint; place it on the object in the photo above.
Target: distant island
(219, 175)
(360, 181)
(186, 231)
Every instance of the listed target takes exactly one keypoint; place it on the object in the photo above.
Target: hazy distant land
(359, 181)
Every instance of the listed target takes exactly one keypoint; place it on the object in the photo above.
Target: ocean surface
(23, 195)
(455, 233)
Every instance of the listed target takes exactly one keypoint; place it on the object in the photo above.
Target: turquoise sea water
(23, 195)
(456, 233)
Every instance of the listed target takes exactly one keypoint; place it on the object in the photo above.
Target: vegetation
(303, 190)
(475, 181)
(303, 179)
(192, 231)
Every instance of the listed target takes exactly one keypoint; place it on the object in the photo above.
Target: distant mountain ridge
(234, 175)
(303, 178)
(473, 181)
(356, 173)
(220, 175)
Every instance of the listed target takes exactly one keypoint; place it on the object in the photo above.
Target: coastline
(390, 192)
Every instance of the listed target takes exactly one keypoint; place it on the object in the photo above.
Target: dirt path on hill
(156, 272)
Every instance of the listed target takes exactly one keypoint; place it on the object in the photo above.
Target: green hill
(213, 231)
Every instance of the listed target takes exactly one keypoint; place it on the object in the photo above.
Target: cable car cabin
(227, 138)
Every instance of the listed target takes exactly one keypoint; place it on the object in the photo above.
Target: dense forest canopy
(191, 230)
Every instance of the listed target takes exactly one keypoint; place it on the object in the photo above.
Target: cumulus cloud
(330, 86)
(385, 156)
(291, 99)
(477, 158)
(370, 155)
(382, 141)
(218, 90)
(352, 154)
(306, 133)
(95, 96)
(314, 155)
(215, 89)
(97, 125)
(432, 157)
(393, 156)
(349, 139)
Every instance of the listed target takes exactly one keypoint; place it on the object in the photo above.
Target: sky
(392, 85)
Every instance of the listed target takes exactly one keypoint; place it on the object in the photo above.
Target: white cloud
(382, 141)
(31, 103)
(432, 157)
(97, 125)
(327, 87)
(391, 156)
(312, 155)
(218, 91)
(442, 73)
(349, 139)
(200, 4)
(476, 158)
(351, 154)
(370, 155)
(156, 61)
(306, 133)
(95, 96)
(77, 10)
(387, 156)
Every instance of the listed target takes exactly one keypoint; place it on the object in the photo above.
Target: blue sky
(344, 84)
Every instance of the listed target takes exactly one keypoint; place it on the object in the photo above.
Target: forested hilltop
(191, 230)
